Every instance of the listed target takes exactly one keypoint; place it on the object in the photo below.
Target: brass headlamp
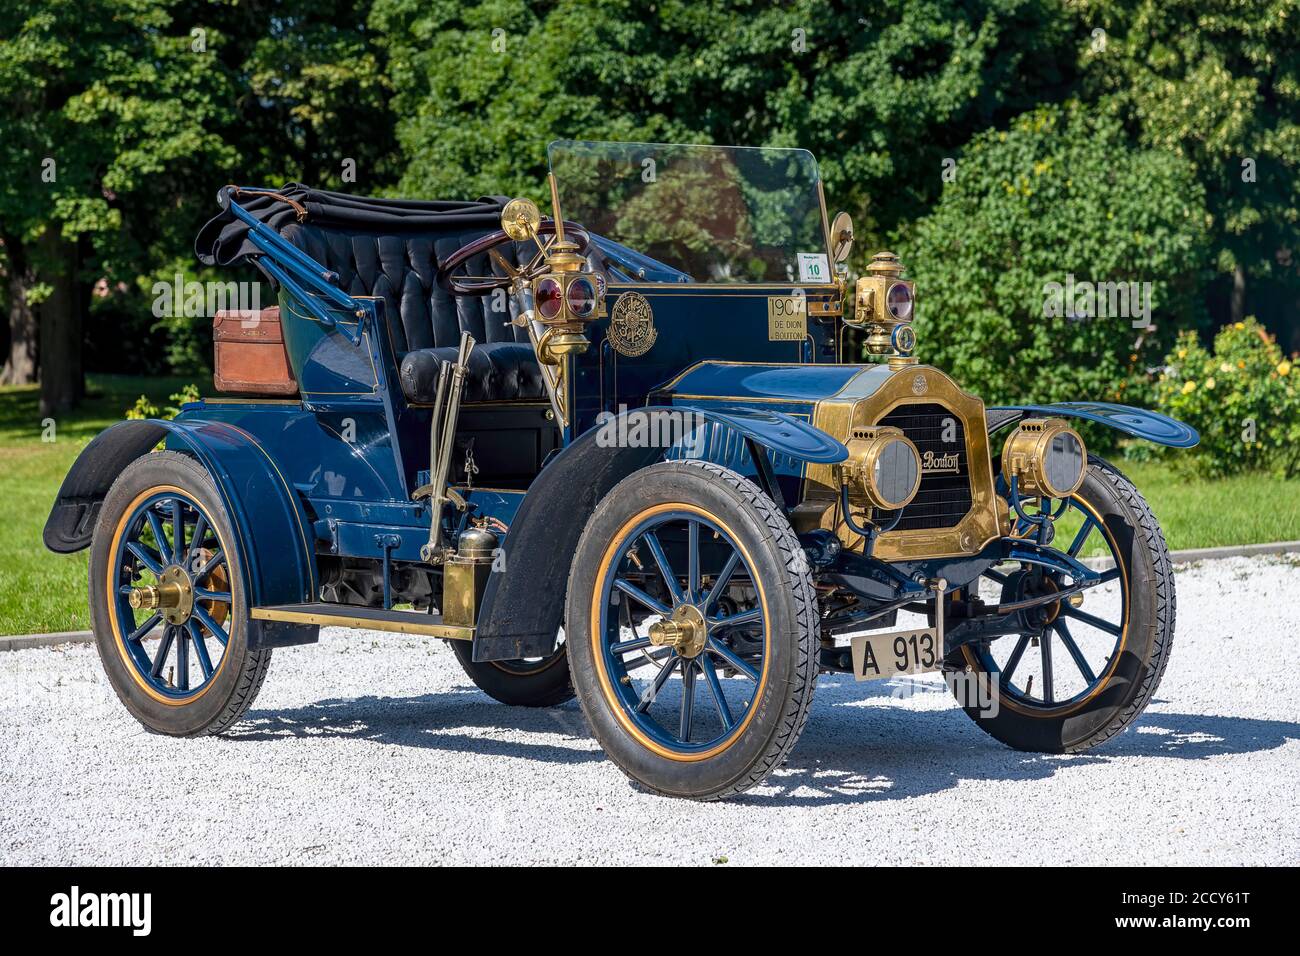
(883, 469)
(1046, 456)
(883, 306)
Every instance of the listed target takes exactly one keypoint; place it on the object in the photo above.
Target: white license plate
(893, 653)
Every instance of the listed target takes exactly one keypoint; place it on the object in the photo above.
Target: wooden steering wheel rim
(572, 232)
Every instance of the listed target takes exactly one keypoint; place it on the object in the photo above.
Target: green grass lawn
(40, 591)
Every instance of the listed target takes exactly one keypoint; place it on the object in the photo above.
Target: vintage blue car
(667, 456)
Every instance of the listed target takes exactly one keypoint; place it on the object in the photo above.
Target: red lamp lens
(548, 298)
(582, 297)
(899, 301)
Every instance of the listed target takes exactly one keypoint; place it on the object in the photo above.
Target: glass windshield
(717, 213)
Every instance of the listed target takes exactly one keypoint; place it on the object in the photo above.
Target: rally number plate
(893, 653)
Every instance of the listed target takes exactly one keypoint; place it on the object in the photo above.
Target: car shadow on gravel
(862, 743)
(461, 720)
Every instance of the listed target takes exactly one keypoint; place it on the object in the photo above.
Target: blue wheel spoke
(145, 628)
(693, 583)
(1045, 651)
(196, 634)
(626, 647)
(717, 647)
(203, 594)
(196, 541)
(1014, 659)
(735, 620)
(688, 700)
(178, 531)
(182, 660)
(715, 688)
(657, 552)
(160, 538)
(1079, 539)
(1092, 619)
(142, 553)
(720, 584)
(164, 647)
(212, 562)
(636, 594)
(1112, 574)
(656, 685)
(1079, 660)
(206, 620)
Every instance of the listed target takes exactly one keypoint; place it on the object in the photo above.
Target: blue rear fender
(274, 539)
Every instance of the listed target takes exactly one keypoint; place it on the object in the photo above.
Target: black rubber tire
(544, 684)
(786, 698)
(242, 671)
(1147, 641)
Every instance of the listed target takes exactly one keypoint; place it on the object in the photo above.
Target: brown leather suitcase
(249, 353)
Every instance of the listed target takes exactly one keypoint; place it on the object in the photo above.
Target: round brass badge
(632, 325)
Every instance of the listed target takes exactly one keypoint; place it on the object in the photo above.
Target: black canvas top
(224, 238)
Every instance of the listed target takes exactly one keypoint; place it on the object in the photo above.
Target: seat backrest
(400, 268)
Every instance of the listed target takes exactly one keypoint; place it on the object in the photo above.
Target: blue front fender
(275, 540)
(1137, 422)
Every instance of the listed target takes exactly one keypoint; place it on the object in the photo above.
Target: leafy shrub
(1061, 192)
(1241, 397)
(144, 408)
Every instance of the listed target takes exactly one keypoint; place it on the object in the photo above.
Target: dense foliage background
(998, 144)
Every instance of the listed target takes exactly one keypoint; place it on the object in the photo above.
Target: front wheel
(692, 630)
(1075, 675)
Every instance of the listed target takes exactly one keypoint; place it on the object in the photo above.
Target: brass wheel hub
(685, 631)
(173, 595)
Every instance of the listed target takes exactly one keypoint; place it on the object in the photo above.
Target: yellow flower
(1209, 383)
(1284, 368)
(1188, 387)
(1240, 325)
(1182, 353)
(1225, 368)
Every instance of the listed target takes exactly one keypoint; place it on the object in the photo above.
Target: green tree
(881, 92)
(1218, 82)
(98, 100)
(1060, 192)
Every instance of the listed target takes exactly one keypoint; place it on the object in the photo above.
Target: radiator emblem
(932, 464)
(632, 325)
(919, 385)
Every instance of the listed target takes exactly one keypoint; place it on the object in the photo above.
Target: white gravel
(371, 748)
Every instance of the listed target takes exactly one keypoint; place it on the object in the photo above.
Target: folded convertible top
(224, 238)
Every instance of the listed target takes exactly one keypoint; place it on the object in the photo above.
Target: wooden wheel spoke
(164, 647)
(656, 685)
(213, 627)
(665, 569)
(149, 560)
(717, 647)
(715, 689)
(688, 700)
(636, 594)
(1017, 652)
(1092, 620)
(200, 648)
(720, 583)
(1045, 651)
(1080, 661)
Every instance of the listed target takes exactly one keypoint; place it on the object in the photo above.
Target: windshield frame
(829, 283)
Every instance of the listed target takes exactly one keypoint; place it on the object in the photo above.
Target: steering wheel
(482, 285)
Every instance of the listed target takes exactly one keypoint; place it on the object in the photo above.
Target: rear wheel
(535, 682)
(692, 630)
(1074, 676)
(167, 600)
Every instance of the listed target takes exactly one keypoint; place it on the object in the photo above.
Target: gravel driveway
(373, 748)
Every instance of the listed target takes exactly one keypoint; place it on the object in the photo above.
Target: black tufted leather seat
(424, 322)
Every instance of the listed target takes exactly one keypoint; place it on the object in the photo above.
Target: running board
(367, 618)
